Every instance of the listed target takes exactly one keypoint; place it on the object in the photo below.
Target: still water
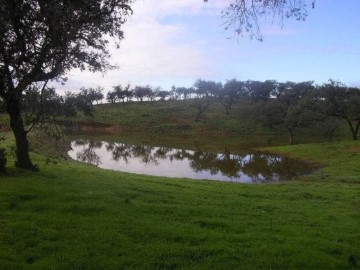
(163, 161)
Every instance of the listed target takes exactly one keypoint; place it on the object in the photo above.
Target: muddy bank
(81, 128)
(90, 128)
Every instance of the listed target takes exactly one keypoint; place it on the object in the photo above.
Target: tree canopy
(42, 40)
(242, 16)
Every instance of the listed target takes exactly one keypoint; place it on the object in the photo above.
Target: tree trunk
(291, 136)
(18, 128)
(227, 107)
(356, 129)
(353, 130)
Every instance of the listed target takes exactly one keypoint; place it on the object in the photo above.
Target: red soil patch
(92, 128)
(4, 128)
(356, 149)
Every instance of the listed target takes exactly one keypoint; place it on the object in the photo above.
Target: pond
(250, 166)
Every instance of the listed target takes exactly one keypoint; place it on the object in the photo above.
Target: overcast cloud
(178, 41)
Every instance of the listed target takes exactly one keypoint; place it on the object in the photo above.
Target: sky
(176, 42)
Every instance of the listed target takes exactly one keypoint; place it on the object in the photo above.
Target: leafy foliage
(43, 40)
(341, 102)
(140, 92)
(242, 16)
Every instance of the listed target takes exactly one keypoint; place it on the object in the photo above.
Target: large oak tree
(42, 40)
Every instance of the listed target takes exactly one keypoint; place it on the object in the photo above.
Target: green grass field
(76, 216)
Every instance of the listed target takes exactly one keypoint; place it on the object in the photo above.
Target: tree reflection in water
(88, 154)
(254, 167)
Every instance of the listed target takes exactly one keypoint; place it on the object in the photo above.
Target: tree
(174, 93)
(140, 92)
(43, 106)
(43, 40)
(231, 90)
(207, 88)
(291, 106)
(260, 91)
(242, 16)
(45, 112)
(91, 95)
(119, 92)
(96, 94)
(182, 92)
(128, 93)
(204, 89)
(111, 97)
(162, 94)
(151, 95)
(40, 104)
(286, 104)
(337, 100)
(187, 92)
(72, 103)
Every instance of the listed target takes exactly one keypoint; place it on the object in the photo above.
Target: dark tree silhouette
(162, 94)
(140, 92)
(92, 95)
(231, 90)
(112, 97)
(341, 102)
(43, 40)
(121, 92)
(204, 90)
(242, 16)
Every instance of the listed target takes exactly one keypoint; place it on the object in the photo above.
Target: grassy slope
(341, 159)
(75, 216)
(175, 119)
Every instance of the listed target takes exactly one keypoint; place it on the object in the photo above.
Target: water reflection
(164, 161)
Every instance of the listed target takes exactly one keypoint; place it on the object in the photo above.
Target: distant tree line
(272, 103)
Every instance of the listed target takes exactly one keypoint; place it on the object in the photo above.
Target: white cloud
(153, 51)
(156, 8)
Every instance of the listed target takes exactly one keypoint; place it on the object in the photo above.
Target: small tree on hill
(231, 91)
(337, 100)
(289, 106)
(128, 92)
(92, 95)
(111, 97)
(119, 92)
(140, 92)
(260, 91)
(204, 90)
(162, 94)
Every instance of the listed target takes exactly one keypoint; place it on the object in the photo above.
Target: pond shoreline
(249, 166)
